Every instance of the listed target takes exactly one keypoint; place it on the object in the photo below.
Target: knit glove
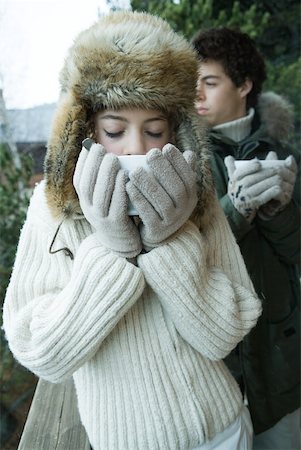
(287, 179)
(251, 186)
(100, 186)
(164, 197)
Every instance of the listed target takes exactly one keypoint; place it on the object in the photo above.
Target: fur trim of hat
(125, 60)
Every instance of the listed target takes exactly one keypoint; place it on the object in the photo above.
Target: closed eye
(113, 135)
(154, 135)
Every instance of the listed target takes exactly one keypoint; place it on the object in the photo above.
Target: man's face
(218, 99)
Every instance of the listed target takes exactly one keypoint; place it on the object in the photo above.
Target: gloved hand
(251, 186)
(100, 186)
(287, 179)
(164, 197)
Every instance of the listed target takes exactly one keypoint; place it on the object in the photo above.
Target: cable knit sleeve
(202, 282)
(57, 312)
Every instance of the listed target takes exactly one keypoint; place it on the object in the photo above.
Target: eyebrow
(123, 119)
(207, 77)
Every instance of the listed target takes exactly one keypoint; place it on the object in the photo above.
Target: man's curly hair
(238, 55)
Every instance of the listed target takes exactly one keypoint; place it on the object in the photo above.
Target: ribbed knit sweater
(144, 343)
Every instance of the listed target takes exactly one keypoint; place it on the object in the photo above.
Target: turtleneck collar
(237, 129)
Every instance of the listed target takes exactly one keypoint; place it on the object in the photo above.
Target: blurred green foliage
(13, 205)
(188, 16)
(14, 199)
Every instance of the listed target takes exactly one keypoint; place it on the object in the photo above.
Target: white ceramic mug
(265, 163)
(129, 163)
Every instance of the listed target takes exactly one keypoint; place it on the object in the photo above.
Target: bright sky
(34, 38)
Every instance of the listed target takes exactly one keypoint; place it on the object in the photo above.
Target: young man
(263, 208)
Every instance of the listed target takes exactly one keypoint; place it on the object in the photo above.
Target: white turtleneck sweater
(144, 344)
(237, 129)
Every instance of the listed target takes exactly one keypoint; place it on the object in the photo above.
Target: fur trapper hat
(125, 60)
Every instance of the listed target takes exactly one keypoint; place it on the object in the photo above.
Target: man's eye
(113, 135)
(210, 84)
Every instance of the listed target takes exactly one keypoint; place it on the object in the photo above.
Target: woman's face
(132, 131)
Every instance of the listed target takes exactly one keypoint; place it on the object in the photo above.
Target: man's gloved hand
(165, 197)
(251, 186)
(100, 186)
(287, 178)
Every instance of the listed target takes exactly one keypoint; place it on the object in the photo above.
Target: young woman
(139, 312)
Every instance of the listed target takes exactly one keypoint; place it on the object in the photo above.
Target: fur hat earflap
(125, 60)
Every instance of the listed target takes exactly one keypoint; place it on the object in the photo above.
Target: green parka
(268, 359)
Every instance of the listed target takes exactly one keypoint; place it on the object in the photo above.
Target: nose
(200, 93)
(135, 145)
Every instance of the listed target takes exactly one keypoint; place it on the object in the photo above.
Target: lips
(201, 110)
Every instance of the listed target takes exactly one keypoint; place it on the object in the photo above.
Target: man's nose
(200, 93)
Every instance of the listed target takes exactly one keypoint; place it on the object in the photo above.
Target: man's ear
(245, 87)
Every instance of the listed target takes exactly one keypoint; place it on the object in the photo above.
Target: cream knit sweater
(144, 344)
